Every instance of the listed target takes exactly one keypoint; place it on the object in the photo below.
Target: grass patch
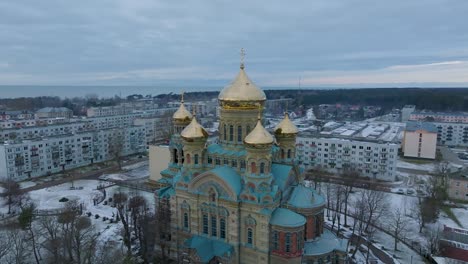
(447, 210)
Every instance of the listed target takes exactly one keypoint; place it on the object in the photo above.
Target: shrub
(63, 200)
(96, 216)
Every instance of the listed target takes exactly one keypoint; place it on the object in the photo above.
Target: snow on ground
(27, 184)
(136, 173)
(136, 165)
(429, 167)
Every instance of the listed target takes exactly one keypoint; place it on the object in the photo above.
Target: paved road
(450, 156)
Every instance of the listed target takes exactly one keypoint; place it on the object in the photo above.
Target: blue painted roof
(304, 197)
(208, 248)
(218, 149)
(326, 243)
(166, 191)
(230, 177)
(414, 126)
(287, 218)
(280, 174)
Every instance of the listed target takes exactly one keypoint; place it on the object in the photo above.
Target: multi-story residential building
(449, 117)
(452, 134)
(103, 122)
(458, 186)
(16, 115)
(37, 132)
(371, 149)
(122, 109)
(419, 140)
(157, 128)
(201, 108)
(23, 159)
(406, 111)
(454, 244)
(54, 112)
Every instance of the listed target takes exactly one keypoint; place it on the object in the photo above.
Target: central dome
(242, 89)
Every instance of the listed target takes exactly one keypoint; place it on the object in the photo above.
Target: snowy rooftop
(374, 131)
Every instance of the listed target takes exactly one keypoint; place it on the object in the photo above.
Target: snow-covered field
(428, 167)
(138, 171)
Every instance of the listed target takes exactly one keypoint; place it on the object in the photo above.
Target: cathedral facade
(241, 199)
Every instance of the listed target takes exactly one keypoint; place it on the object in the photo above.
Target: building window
(222, 228)
(205, 224)
(225, 132)
(231, 133)
(262, 168)
(239, 134)
(186, 221)
(210, 160)
(214, 227)
(218, 162)
(242, 164)
(196, 159)
(289, 153)
(253, 168)
(249, 236)
(287, 243)
(275, 240)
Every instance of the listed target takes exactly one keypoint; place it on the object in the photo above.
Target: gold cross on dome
(242, 57)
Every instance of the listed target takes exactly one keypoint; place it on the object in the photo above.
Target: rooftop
(287, 218)
(415, 126)
(326, 243)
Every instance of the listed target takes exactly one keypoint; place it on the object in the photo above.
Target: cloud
(146, 41)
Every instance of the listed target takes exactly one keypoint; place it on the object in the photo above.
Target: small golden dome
(259, 136)
(286, 126)
(182, 113)
(242, 89)
(194, 130)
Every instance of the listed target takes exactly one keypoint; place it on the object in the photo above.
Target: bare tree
(433, 236)
(116, 146)
(13, 195)
(359, 213)
(348, 176)
(120, 200)
(5, 245)
(26, 219)
(163, 226)
(417, 213)
(51, 237)
(376, 206)
(398, 226)
(19, 247)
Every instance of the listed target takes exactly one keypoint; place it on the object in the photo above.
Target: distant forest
(436, 99)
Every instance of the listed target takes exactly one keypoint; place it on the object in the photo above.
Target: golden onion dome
(259, 136)
(194, 130)
(242, 89)
(286, 126)
(182, 113)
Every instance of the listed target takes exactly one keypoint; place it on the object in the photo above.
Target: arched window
(239, 133)
(262, 168)
(231, 133)
(188, 158)
(287, 243)
(182, 155)
(217, 161)
(205, 224)
(242, 164)
(175, 159)
(289, 153)
(196, 159)
(275, 240)
(253, 167)
(214, 228)
(212, 195)
(222, 228)
(186, 220)
(210, 160)
(282, 153)
(250, 236)
(225, 132)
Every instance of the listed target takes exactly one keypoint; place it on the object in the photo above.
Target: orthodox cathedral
(241, 198)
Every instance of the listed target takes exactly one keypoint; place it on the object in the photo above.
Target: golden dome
(286, 126)
(194, 130)
(182, 113)
(259, 136)
(242, 89)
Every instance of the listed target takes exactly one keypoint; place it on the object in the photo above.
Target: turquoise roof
(287, 218)
(326, 243)
(280, 173)
(304, 197)
(166, 191)
(230, 177)
(218, 149)
(208, 248)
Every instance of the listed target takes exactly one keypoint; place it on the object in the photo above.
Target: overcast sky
(322, 42)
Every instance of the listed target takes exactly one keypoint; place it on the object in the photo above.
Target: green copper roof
(218, 149)
(230, 177)
(280, 174)
(326, 243)
(208, 248)
(287, 218)
(304, 197)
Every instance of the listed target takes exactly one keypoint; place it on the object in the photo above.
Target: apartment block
(419, 140)
(371, 149)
